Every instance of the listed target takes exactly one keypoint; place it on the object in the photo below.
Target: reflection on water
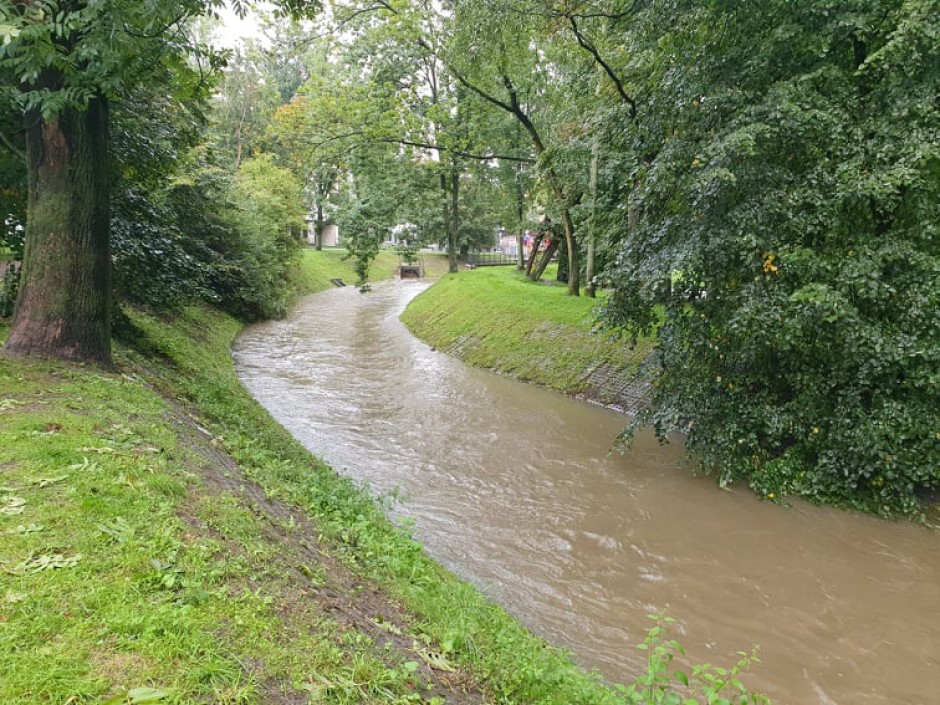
(513, 488)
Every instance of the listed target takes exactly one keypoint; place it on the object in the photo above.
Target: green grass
(134, 551)
(317, 268)
(162, 539)
(495, 317)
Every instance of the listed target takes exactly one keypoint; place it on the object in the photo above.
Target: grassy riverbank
(496, 318)
(318, 268)
(159, 531)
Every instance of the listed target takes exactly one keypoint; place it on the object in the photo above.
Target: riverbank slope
(162, 539)
(496, 318)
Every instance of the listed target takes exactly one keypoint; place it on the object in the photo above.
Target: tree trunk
(546, 258)
(574, 262)
(63, 309)
(454, 236)
(562, 275)
(534, 254)
(448, 226)
(520, 218)
(318, 235)
(590, 289)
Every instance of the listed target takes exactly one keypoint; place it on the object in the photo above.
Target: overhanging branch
(459, 152)
(592, 50)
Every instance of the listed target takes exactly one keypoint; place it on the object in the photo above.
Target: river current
(514, 488)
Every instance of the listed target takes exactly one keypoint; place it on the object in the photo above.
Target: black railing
(489, 259)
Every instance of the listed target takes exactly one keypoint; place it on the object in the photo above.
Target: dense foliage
(177, 234)
(787, 240)
(185, 228)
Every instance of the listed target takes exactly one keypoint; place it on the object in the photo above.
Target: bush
(788, 226)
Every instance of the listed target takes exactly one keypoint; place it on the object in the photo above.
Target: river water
(513, 488)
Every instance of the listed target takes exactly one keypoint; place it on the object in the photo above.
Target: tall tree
(68, 61)
(244, 105)
(496, 54)
(785, 197)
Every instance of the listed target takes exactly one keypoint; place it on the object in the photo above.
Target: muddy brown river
(512, 487)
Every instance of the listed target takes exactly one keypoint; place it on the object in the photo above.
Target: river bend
(513, 488)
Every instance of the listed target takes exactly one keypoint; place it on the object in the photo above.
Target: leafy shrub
(151, 263)
(665, 684)
(788, 227)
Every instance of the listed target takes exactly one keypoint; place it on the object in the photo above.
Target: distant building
(508, 243)
(330, 234)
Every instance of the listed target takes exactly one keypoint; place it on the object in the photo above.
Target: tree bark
(520, 219)
(562, 275)
(63, 309)
(546, 258)
(318, 235)
(448, 225)
(533, 255)
(450, 190)
(590, 289)
(454, 236)
(574, 261)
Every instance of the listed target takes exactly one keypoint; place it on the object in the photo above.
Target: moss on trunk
(63, 310)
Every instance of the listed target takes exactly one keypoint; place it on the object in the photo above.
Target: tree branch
(592, 50)
(16, 151)
(458, 152)
(365, 10)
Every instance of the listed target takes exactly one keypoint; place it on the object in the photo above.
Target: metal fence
(489, 259)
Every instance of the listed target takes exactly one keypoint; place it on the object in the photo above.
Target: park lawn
(318, 268)
(495, 317)
(162, 539)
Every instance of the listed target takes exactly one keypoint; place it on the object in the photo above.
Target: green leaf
(146, 696)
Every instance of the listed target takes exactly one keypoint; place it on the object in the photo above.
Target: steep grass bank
(315, 269)
(162, 539)
(496, 318)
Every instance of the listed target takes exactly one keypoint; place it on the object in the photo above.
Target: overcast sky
(234, 29)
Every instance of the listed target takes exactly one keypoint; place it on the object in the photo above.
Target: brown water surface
(512, 487)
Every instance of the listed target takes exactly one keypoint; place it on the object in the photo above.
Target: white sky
(235, 30)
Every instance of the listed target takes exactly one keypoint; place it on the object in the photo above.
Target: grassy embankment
(162, 539)
(318, 269)
(496, 318)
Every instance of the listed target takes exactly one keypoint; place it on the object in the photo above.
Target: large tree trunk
(63, 309)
